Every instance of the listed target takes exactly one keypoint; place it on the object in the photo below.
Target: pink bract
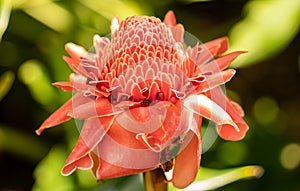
(142, 94)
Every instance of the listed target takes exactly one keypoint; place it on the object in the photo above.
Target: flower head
(142, 94)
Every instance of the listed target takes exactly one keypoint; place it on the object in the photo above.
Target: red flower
(142, 95)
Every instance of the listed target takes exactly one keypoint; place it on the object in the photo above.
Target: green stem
(155, 180)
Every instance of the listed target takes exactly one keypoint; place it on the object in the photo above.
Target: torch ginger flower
(142, 94)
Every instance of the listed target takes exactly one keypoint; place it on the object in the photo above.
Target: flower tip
(115, 24)
(170, 18)
(39, 131)
(74, 50)
(229, 121)
(69, 46)
(256, 171)
(66, 172)
(96, 39)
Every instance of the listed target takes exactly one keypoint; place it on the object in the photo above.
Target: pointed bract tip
(96, 39)
(39, 131)
(170, 18)
(115, 24)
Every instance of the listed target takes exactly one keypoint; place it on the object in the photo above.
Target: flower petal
(66, 86)
(215, 80)
(220, 63)
(92, 133)
(76, 52)
(226, 131)
(177, 29)
(100, 107)
(106, 170)
(56, 118)
(113, 152)
(78, 160)
(203, 106)
(220, 44)
(115, 24)
(170, 18)
(187, 163)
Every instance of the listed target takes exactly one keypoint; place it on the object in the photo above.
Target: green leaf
(5, 9)
(32, 74)
(49, 13)
(47, 173)
(6, 81)
(209, 179)
(267, 29)
(111, 8)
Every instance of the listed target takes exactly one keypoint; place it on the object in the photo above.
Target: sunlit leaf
(49, 13)
(31, 74)
(5, 8)
(47, 173)
(267, 29)
(6, 81)
(111, 8)
(209, 179)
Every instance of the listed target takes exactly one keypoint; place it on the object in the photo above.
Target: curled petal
(238, 109)
(78, 159)
(203, 106)
(227, 131)
(92, 133)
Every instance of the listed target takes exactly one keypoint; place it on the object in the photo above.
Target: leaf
(6, 81)
(209, 179)
(111, 8)
(49, 13)
(32, 74)
(47, 173)
(267, 29)
(5, 9)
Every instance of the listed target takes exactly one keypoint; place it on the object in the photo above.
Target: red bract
(142, 94)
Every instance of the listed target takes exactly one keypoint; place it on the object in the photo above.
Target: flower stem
(155, 180)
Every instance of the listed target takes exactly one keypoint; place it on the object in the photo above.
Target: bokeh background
(267, 85)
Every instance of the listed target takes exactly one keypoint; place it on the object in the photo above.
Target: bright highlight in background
(265, 110)
(31, 74)
(290, 156)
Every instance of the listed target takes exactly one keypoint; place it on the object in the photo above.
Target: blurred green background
(267, 85)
